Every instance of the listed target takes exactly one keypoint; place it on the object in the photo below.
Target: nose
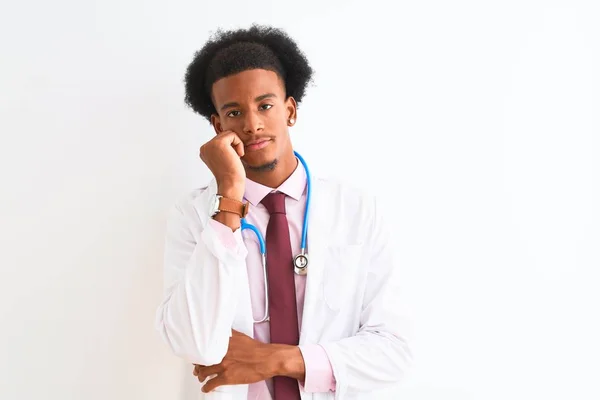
(252, 123)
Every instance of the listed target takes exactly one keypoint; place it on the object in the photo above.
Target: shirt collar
(293, 187)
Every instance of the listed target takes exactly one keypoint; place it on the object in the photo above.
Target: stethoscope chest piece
(301, 264)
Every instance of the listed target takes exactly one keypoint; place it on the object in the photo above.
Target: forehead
(246, 86)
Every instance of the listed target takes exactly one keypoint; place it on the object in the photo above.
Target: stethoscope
(300, 260)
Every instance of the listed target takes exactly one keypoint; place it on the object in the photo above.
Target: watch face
(215, 205)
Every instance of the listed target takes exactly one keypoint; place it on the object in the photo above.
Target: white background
(477, 122)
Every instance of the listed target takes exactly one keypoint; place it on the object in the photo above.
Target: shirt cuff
(318, 372)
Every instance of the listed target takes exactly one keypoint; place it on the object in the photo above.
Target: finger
(237, 144)
(205, 372)
(214, 383)
(197, 369)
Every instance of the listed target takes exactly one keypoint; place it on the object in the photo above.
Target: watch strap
(233, 206)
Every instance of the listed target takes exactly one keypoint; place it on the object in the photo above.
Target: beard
(264, 167)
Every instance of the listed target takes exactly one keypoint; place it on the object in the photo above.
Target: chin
(259, 159)
(260, 163)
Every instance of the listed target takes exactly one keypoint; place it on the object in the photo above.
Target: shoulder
(192, 204)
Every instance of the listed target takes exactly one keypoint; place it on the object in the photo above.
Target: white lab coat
(351, 305)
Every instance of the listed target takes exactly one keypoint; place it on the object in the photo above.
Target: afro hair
(229, 52)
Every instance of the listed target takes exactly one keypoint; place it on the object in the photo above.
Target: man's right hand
(222, 155)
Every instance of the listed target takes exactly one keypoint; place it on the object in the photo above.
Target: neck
(283, 170)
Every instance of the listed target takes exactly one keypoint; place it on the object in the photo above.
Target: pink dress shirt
(319, 374)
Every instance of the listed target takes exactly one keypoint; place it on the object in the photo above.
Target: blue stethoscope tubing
(301, 260)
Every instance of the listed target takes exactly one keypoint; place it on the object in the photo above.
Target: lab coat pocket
(341, 274)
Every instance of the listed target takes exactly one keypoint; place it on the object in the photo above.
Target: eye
(233, 114)
(265, 107)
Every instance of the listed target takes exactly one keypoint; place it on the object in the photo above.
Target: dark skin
(249, 361)
(252, 107)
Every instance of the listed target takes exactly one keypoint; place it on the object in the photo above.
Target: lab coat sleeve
(199, 302)
(378, 355)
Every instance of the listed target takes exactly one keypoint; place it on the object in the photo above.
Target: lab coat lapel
(318, 230)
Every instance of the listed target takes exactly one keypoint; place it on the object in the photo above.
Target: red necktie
(282, 289)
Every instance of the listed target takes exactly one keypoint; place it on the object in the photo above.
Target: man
(334, 332)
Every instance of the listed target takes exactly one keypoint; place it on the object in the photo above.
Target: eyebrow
(258, 99)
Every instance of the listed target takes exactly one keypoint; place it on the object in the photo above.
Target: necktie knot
(274, 203)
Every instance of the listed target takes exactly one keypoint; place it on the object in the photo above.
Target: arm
(378, 355)
(248, 361)
(199, 304)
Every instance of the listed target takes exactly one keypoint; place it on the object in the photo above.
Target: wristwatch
(224, 204)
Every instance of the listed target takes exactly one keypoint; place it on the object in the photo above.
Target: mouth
(257, 144)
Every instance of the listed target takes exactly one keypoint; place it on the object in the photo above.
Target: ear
(291, 107)
(215, 121)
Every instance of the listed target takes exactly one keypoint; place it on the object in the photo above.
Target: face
(253, 105)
